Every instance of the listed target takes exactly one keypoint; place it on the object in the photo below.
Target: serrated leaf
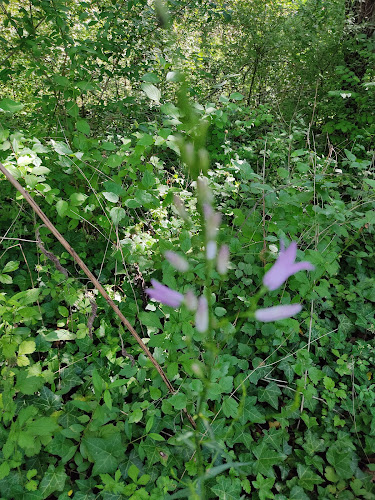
(151, 91)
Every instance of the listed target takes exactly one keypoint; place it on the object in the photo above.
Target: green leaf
(26, 347)
(136, 416)
(236, 96)
(230, 407)
(117, 214)
(266, 459)
(150, 77)
(307, 478)
(179, 401)
(83, 126)
(150, 319)
(28, 385)
(151, 91)
(62, 207)
(77, 199)
(342, 459)
(60, 335)
(133, 472)
(10, 266)
(6, 279)
(156, 437)
(105, 453)
(10, 105)
(227, 488)
(53, 480)
(270, 394)
(107, 399)
(44, 426)
(112, 197)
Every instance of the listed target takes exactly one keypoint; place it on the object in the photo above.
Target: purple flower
(284, 267)
(201, 316)
(164, 294)
(176, 261)
(211, 250)
(277, 312)
(223, 259)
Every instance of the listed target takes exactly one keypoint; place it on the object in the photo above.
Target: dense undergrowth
(283, 409)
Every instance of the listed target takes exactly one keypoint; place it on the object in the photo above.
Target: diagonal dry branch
(91, 277)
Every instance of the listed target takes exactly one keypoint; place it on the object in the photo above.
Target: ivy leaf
(44, 426)
(313, 444)
(105, 453)
(47, 400)
(53, 480)
(251, 412)
(151, 91)
(270, 394)
(264, 485)
(230, 407)
(342, 459)
(227, 488)
(266, 459)
(308, 478)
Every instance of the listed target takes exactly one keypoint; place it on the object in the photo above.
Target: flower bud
(176, 261)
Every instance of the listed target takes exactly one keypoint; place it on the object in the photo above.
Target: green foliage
(95, 123)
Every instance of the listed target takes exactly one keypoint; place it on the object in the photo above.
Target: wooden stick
(91, 277)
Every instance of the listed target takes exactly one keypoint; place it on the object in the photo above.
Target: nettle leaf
(53, 480)
(307, 478)
(151, 91)
(266, 459)
(117, 214)
(342, 459)
(105, 453)
(270, 394)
